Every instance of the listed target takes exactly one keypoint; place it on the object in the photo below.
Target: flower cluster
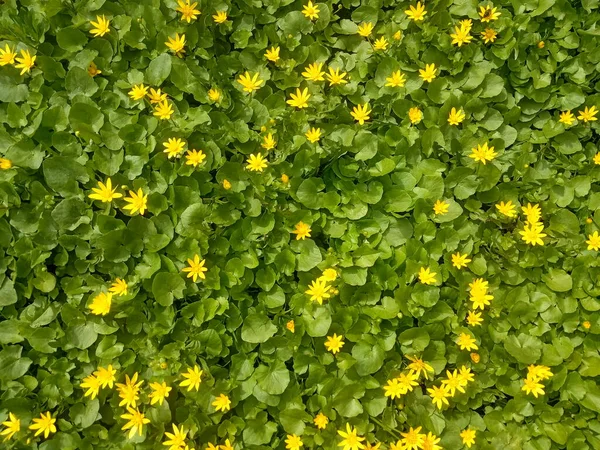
(8, 56)
(532, 232)
(535, 374)
(455, 381)
(319, 289)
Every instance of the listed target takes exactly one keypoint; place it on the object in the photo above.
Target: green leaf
(525, 349)
(369, 358)
(257, 328)
(558, 280)
(166, 287)
(159, 69)
(274, 378)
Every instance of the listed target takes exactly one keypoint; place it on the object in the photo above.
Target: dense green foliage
(367, 192)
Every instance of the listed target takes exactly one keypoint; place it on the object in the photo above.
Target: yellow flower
(479, 295)
(429, 73)
(7, 56)
(539, 372)
(313, 135)
(459, 261)
(586, 324)
(250, 83)
(430, 442)
(541, 44)
(567, 117)
(398, 79)
(176, 44)
(192, 378)
(335, 77)
(272, 54)
(426, 276)
(415, 115)
(100, 305)
(587, 114)
(106, 376)
(461, 35)
(92, 69)
(321, 421)
(365, 29)
(138, 92)
(439, 395)
(417, 14)
(13, 426)
(129, 391)
(293, 442)
(222, 403)
(361, 113)
(291, 326)
(329, 275)
(466, 342)
(453, 383)
(407, 380)
(105, 192)
(532, 386)
(334, 343)
(465, 375)
(417, 365)
(394, 389)
(313, 72)
(489, 35)
(226, 185)
(351, 441)
(475, 358)
(413, 440)
(214, 95)
(45, 424)
(397, 35)
(488, 14)
(466, 23)
(196, 268)
(474, 318)
(256, 163)
(532, 212)
(26, 62)
(507, 209)
(164, 110)
(483, 153)
(456, 117)
(227, 445)
(268, 142)
(380, 44)
(156, 96)
(188, 11)
(284, 178)
(194, 157)
(137, 202)
(301, 230)
(468, 435)
(220, 17)
(160, 391)
(318, 291)
(136, 421)
(299, 99)
(101, 26)
(5, 164)
(440, 207)
(92, 384)
(311, 11)
(532, 234)
(174, 147)
(593, 241)
(119, 287)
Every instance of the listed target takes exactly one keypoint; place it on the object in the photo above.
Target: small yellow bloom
(483, 153)
(222, 403)
(299, 99)
(474, 318)
(92, 70)
(593, 241)
(7, 56)
(129, 391)
(587, 114)
(5, 164)
(293, 442)
(291, 326)
(507, 209)
(195, 269)
(119, 287)
(567, 117)
(456, 117)
(26, 62)
(192, 378)
(533, 386)
(311, 11)
(488, 14)
(365, 29)
(398, 79)
(174, 147)
(334, 343)
(220, 17)
(397, 35)
(45, 424)
(351, 441)
(285, 179)
(541, 44)
(335, 77)
(214, 95)
(360, 113)
(13, 426)
(475, 358)
(301, 230)
(461, 35)
(429, 73)
(105, 192)
(466, 342)
(136, 421)
(101, 303)
(156, 96)
(415, 115)
(188, 11)
(164, 110)
(380, 44)
(313, 135)
(256, 163)
(138, 92)
(586, 324)
(226, 185)
(439, 395)
(106, 377)
(249, 83)
(92, 384)
(137, 202)
(489, 35)
(272, 54)
(318, 291)
(329, 275)
(539, 372)
(468, 435)
(426, 276)
(440, 207)
(101, 26)
(532, 212)
(194, 157)
(314, 72)
(459, 261)
(176, 44)
(532, 234)
(321, 421)
(417, 14)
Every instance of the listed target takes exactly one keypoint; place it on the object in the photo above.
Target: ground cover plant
(278, 224)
